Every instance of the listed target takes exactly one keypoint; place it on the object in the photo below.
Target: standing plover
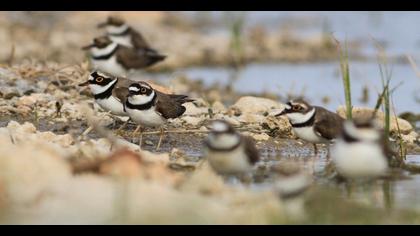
(313, 124)
(151, 108)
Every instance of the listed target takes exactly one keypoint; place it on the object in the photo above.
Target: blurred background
(279, 54)
(213, 57)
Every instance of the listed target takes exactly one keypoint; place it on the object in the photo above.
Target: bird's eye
(143, 90)
(99, 79)
(297, 108)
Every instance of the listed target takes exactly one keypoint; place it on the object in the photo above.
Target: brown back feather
(170, 105)
(328, 123)
(138, 39)
(129, 58)
(250, 149)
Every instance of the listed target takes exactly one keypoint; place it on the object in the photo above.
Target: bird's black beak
(88, 47)
(284, 112)
(101, 25)
(84, 83)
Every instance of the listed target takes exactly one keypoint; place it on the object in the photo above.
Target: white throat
(110, 29)
(98, 52)
(97, 89)
(141, 99)
(223, 141)
(297, 118)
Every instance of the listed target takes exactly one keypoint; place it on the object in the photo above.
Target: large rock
(361, 112)
(254, 105)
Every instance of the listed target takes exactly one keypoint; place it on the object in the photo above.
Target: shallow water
(316, 81)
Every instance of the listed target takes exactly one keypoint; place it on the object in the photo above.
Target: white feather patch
(223, 141)
(297, 118)
(141, 99)
(111, 29)
(219, 126)
(98, 52)
(97, 89)
(364, 134)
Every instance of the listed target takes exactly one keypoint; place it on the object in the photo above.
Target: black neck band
(307, 123)
(106, 56)
(215, 149)
(107, 93)
(349, 139)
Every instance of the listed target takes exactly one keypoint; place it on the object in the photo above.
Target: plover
(151, 108)
(291, 184)
(313, 124)
(116, 59)
(361, 150)
(227, 151)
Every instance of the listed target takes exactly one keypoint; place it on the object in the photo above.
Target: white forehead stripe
(287, 106)
(219, 126)
(101, 74)
(132, 88)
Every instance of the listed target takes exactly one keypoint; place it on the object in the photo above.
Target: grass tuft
(345, 74)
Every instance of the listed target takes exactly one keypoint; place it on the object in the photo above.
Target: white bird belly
(308, 134)
(113, 105)
(231, 162)
(149, 118)
(359, 160)
(110, 66)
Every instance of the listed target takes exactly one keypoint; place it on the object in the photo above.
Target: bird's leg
(315, 149)
(135, 131)
(328, 154)
(140, 138)
(122, 126)
(160, 138)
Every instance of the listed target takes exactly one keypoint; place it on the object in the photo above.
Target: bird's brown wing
(129, 58)
(138, 40)
(121, 89)
(124, 82)
(328, 124)
(250, 149)
(170, 106)
(120, 93)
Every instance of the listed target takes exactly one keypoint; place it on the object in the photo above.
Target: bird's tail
(153, 56)
(181, 98)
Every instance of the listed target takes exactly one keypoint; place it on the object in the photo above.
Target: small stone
(218, 107)
(257, 137)
(122, 163)
(410, 138)
(193, 110)
(255, 105)
(8, 93)
(148, 142)
(194, 121)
